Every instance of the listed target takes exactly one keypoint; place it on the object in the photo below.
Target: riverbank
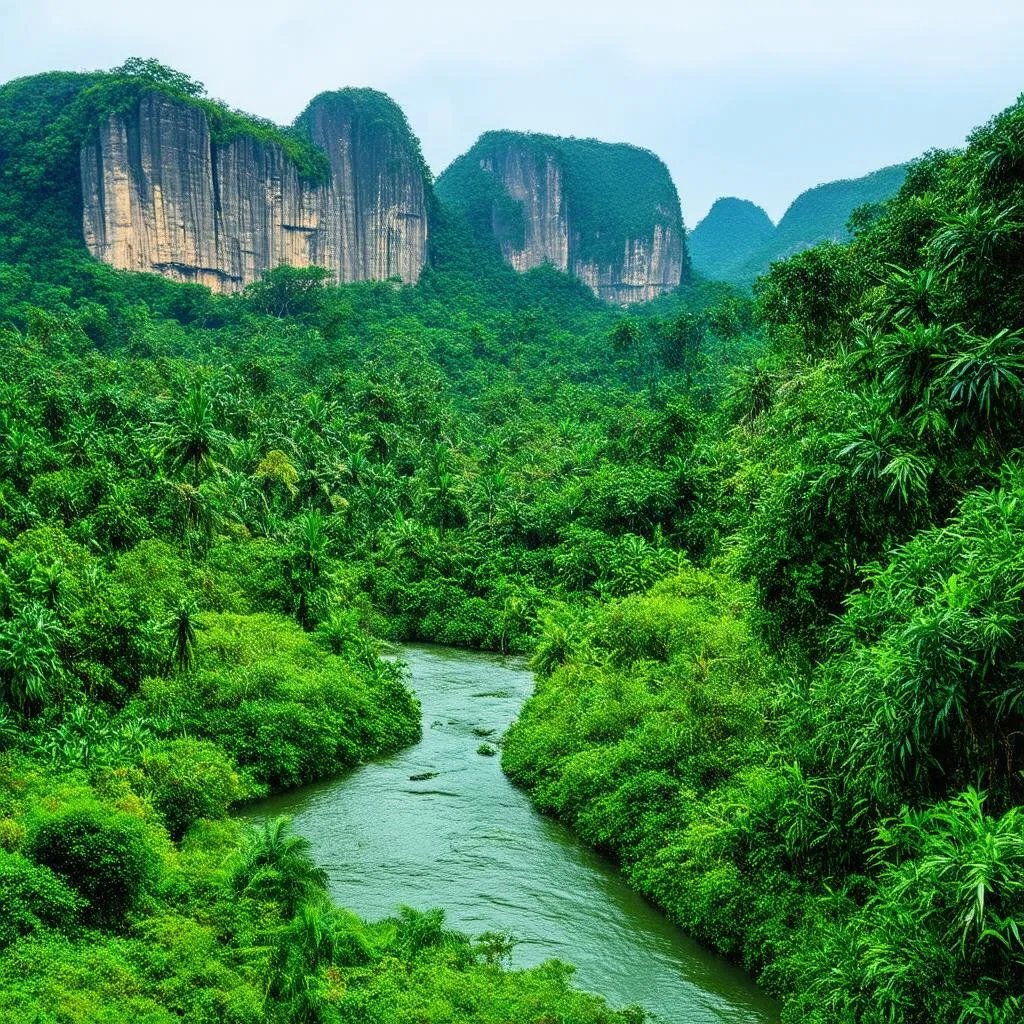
(438, 824)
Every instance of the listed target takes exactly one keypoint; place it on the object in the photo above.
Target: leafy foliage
(104, 855)
(765, 557)
(832, 794)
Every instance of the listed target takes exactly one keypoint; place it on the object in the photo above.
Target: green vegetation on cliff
(372, 112)
(612, 192)
(615, 192)
(120, 90)
(478, 196)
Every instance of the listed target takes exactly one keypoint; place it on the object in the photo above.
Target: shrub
(105, 855)
(284, 710)
(33, 897)
(187, 780)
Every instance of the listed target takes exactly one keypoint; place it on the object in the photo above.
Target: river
(439, 825)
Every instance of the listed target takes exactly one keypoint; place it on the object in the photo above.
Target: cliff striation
(159, 193)
(608, 214)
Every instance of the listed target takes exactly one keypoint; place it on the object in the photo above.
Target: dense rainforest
(765, 554)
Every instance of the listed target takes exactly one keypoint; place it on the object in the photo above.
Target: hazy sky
(755, 98)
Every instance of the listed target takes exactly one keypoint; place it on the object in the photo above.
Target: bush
(189, 779)
(285, 711)
(105, 855)
(33, 897)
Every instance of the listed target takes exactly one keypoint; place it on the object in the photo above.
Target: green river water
(467, 840)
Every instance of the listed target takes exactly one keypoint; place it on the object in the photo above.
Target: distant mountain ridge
(732, 229)
(731, 242)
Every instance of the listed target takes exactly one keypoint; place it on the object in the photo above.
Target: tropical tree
(275, 864)
(190, 440)
(305, 948)
(30, 665)
(183, 626)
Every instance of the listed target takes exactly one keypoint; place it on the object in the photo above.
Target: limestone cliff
(160, 194)
(608, 214)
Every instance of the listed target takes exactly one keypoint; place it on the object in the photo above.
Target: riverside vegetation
(766, 555)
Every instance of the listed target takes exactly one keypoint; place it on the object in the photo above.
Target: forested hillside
(766, 557)
(733, 244)
(728, 234)
(809, 750)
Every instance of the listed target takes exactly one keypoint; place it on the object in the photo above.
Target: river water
(439, 825)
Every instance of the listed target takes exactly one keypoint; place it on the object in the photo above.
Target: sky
(754, 98)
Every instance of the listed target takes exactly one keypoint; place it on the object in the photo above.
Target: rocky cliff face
(160, 195)
(650, 266)
(608, 214)
(534, 181)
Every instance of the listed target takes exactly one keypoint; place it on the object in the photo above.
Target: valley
(720, 531)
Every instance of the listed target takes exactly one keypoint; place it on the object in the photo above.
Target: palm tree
(515, 614)
(318, 412)
(312, 540)
(21, 454)
(275, 864)
(908, 362)
(309, 564)
(184, 640)
(877, 451)
(357, 468)
(29, 662)
(49, 582)
(1003, 158)
(908, 296)
(969, 872)
(492, 486)
(969, 241)
(304, 949)
(404, 532)
(191, 441)
(986, 378)
(245, 454)
(80, 439)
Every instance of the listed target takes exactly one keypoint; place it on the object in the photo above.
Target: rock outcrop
(608, 214)
(160, 194)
